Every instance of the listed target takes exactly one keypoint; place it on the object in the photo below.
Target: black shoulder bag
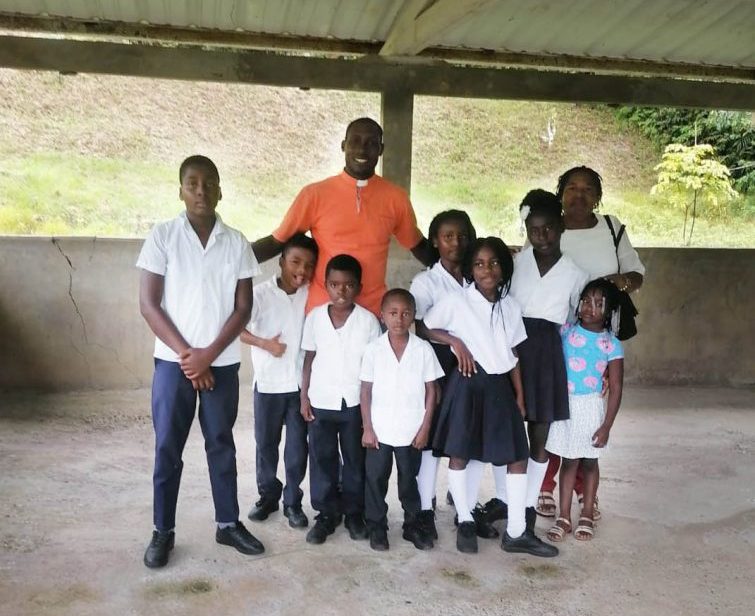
(627, 310)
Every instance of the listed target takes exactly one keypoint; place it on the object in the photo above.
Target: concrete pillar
(397, 115)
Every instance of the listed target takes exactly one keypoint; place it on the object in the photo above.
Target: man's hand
(194, 362)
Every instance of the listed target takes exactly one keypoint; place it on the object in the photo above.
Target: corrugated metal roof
(698, 32)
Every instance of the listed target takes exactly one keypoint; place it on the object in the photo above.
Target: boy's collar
(355, 182)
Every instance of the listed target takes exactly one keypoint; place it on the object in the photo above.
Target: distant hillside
(98, 155)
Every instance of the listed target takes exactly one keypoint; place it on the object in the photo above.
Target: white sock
(535, 476)
(426, 479)
(474, 478)
(499, 474)
(516, 489)
(457, 484)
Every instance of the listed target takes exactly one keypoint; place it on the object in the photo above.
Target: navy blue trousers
(271, 413)
(174, 402)
(327, 432)
(378, 465)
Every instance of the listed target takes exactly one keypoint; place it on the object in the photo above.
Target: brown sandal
(583, 532)
(546, 505)
(596, 515)
(559, 530)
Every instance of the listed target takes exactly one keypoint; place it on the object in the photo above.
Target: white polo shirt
(277, 313)
(553, 297)
(398, 387)
(490, 330)
(335, 369)
(429, 286)
(200, 282)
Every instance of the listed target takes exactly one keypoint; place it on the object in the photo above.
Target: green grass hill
(98, 155)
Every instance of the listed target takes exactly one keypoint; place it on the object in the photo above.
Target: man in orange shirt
(356, 213)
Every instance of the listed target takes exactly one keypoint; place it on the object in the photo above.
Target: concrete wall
(69, 316)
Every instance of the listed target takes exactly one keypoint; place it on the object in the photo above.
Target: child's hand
(421, 438)
(466, 361)
(369, 439)
(204, 382)
(306, 409)
(275, 347)
(194, 362)
(600, 438)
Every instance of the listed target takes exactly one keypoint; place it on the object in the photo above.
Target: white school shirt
(398, 387)
(338, 358)
(429, 286)
(553, 297)
(594, 252)
(200, 282)
(490, 338)
(275, 312)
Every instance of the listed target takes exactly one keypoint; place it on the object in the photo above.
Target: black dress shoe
(530, 517)
(296, 517)
(466, 538)
(240, 538)
(159, 549)
(415, 535)
(484, 529)
(426, 520)
(528, 543)
(262, 509)
(379, 539)
(495, 509)
(324, 525)
(355, 524)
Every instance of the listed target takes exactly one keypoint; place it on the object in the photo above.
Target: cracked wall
(69, 315)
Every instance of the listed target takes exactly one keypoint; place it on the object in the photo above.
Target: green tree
(690, 177)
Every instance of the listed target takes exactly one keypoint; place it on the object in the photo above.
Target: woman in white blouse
(589, 242)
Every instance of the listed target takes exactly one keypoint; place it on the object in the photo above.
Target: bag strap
(616, 237)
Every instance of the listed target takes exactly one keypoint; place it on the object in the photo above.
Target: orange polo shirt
(356, 218)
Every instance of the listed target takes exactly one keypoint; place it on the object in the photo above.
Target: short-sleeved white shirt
(276, 313)
(338, 358)
(429, 286)
(489, 330)
(553, 297)
(593, 250)
(200, 282)
(398, 387)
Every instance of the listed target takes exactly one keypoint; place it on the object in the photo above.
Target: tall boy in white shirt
(196, 295)
(398, 377)
(335, 337)
(274, 334)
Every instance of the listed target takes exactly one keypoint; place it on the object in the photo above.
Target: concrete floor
(677, 536)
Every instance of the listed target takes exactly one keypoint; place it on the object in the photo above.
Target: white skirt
(572, 438)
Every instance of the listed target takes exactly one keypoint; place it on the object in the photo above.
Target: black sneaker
(262, 509)
(415, 535)
(495, 509)
(466, 538)
(159, 549)
(296, 517)
(485, 530)
(324, 525)
(530, 517)
(355, 524)
(379, 539)
(426, 520)
(528, 543)
(240, 538)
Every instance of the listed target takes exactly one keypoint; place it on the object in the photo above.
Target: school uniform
(334, 390)
(397, 412)
(479, 418)
(276, 391)
(547, 302)
(199, 297)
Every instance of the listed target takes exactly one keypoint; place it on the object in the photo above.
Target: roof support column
(397, 114)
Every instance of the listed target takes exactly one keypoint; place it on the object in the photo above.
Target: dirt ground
(677, 536)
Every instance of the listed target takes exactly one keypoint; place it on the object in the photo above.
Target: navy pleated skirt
(480, 420)
(541, 361)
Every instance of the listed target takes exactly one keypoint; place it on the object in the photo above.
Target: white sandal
(546, 505)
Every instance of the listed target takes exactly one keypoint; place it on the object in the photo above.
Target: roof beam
(418, 26)
(371, 74)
